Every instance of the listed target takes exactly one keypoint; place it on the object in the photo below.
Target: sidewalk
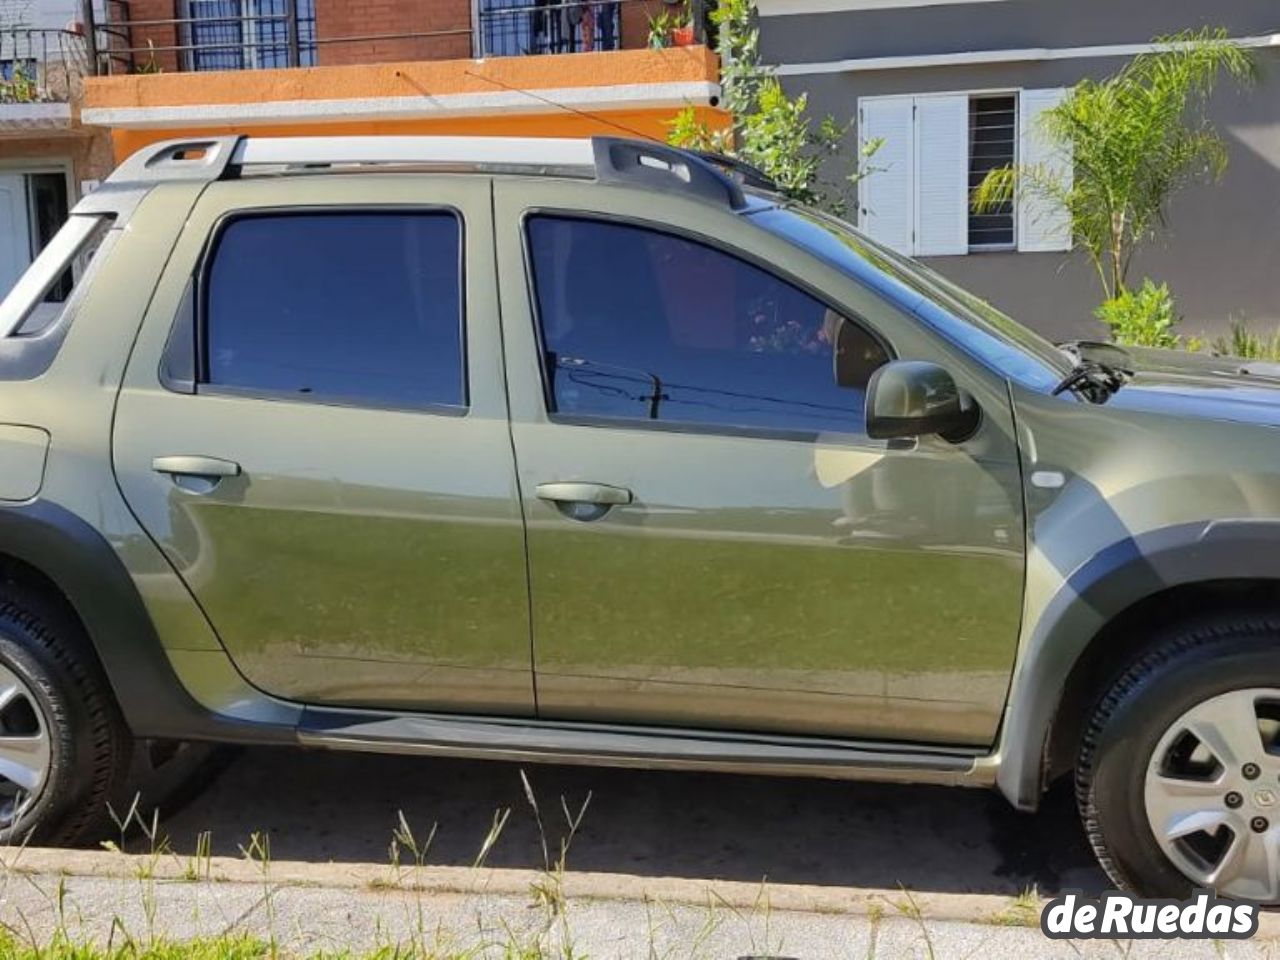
(308, 908)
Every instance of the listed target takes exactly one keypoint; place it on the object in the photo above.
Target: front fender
(1110, 582)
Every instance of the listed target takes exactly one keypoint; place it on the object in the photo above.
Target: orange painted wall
(649, 124)
(424, 78)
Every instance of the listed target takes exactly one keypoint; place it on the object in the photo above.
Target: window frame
(970, 95)
(199, 319)
(249, 48)
(720, 246)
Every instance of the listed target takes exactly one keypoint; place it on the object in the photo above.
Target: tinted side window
(639, 324)
(357, 307)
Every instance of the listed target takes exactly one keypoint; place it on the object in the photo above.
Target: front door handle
(195, 466)
(600, 494)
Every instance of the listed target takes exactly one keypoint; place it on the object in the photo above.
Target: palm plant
(1134, 140)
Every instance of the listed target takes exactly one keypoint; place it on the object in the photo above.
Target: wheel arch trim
(92, 578)
(1099, 590)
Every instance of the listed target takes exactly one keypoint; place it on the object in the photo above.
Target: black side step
(548, 741)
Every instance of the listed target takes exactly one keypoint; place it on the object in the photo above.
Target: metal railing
(240, 35)
(510, 28)
(249, 34)
(41, 66)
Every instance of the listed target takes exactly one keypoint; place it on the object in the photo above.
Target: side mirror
(915, 398)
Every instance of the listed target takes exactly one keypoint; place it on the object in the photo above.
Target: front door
(313, 428)
(713, 540)
(15, 230)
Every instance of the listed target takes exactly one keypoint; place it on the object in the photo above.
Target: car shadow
(320, 806)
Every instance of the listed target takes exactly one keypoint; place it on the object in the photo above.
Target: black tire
(47, 649)
(1186, 666)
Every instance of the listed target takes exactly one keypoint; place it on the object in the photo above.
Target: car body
(567, 552)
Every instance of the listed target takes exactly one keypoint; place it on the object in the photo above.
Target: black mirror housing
(915, 398)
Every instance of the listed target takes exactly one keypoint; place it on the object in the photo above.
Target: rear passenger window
(363, 308)
(643, 325)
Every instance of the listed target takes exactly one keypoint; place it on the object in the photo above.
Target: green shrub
(1243, 342)
(1143, 319)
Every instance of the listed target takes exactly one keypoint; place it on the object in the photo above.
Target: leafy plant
(663, 26)
(770, 130)
(1243, 342)
(1146, 318)
(1134, 140)
(151, 65)
(20, 88)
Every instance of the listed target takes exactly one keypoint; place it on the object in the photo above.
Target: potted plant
(671, 28)
(682, 32)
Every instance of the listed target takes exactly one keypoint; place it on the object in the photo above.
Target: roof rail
(204, 159)
(666, 168)
(516, 151)
(613, 159)
(748, 174)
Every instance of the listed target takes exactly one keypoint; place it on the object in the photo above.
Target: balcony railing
(41, 66)
(248, 34)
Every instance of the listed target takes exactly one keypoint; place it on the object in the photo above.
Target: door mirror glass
(915, 398)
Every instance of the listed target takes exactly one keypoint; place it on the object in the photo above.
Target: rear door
(313, 428)
(714, 542)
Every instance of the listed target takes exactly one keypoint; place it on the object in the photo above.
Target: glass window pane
(992, 146)
(638, 324)
(364, 307)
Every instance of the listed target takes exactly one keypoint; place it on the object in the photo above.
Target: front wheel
(1178, 777)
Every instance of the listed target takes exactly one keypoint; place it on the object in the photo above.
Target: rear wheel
(62, 743)
(1178, 777)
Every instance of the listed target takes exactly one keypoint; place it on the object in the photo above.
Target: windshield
(964, 319)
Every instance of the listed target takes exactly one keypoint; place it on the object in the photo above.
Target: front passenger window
(642, 325)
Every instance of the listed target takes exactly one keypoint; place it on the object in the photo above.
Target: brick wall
(161, 36)
(90, 153)
(372, 18)
(337, 19)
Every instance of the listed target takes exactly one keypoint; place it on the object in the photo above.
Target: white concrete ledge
(969, 58)
(635, 96)
(34, 116)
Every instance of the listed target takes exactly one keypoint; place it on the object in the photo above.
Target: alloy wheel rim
(25, 754)
(1212, 794)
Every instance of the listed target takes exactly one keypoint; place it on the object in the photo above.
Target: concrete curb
(798, 898)
(506, 882)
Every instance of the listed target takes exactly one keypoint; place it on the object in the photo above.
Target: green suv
(600, 451)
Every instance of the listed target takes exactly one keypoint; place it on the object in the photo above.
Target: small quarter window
(362, 308)
(643, 325)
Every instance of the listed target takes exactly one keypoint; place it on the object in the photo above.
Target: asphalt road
(321, 806)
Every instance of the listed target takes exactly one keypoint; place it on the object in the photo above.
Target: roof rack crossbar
(613, 160)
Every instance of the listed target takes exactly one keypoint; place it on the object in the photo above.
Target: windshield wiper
(1094, 381)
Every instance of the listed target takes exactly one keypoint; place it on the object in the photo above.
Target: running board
(545, 741)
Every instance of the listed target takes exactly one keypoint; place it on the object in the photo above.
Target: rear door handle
(578, 492)
(195, 466)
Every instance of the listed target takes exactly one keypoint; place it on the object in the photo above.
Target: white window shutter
(942, 176)
(885, 198)
(1043, 224)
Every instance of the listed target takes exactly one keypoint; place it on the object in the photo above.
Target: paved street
(320, 806)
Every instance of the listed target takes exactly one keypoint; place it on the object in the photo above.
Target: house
(47, 157)
(114, 75)
(954, 88)
(176, 68)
